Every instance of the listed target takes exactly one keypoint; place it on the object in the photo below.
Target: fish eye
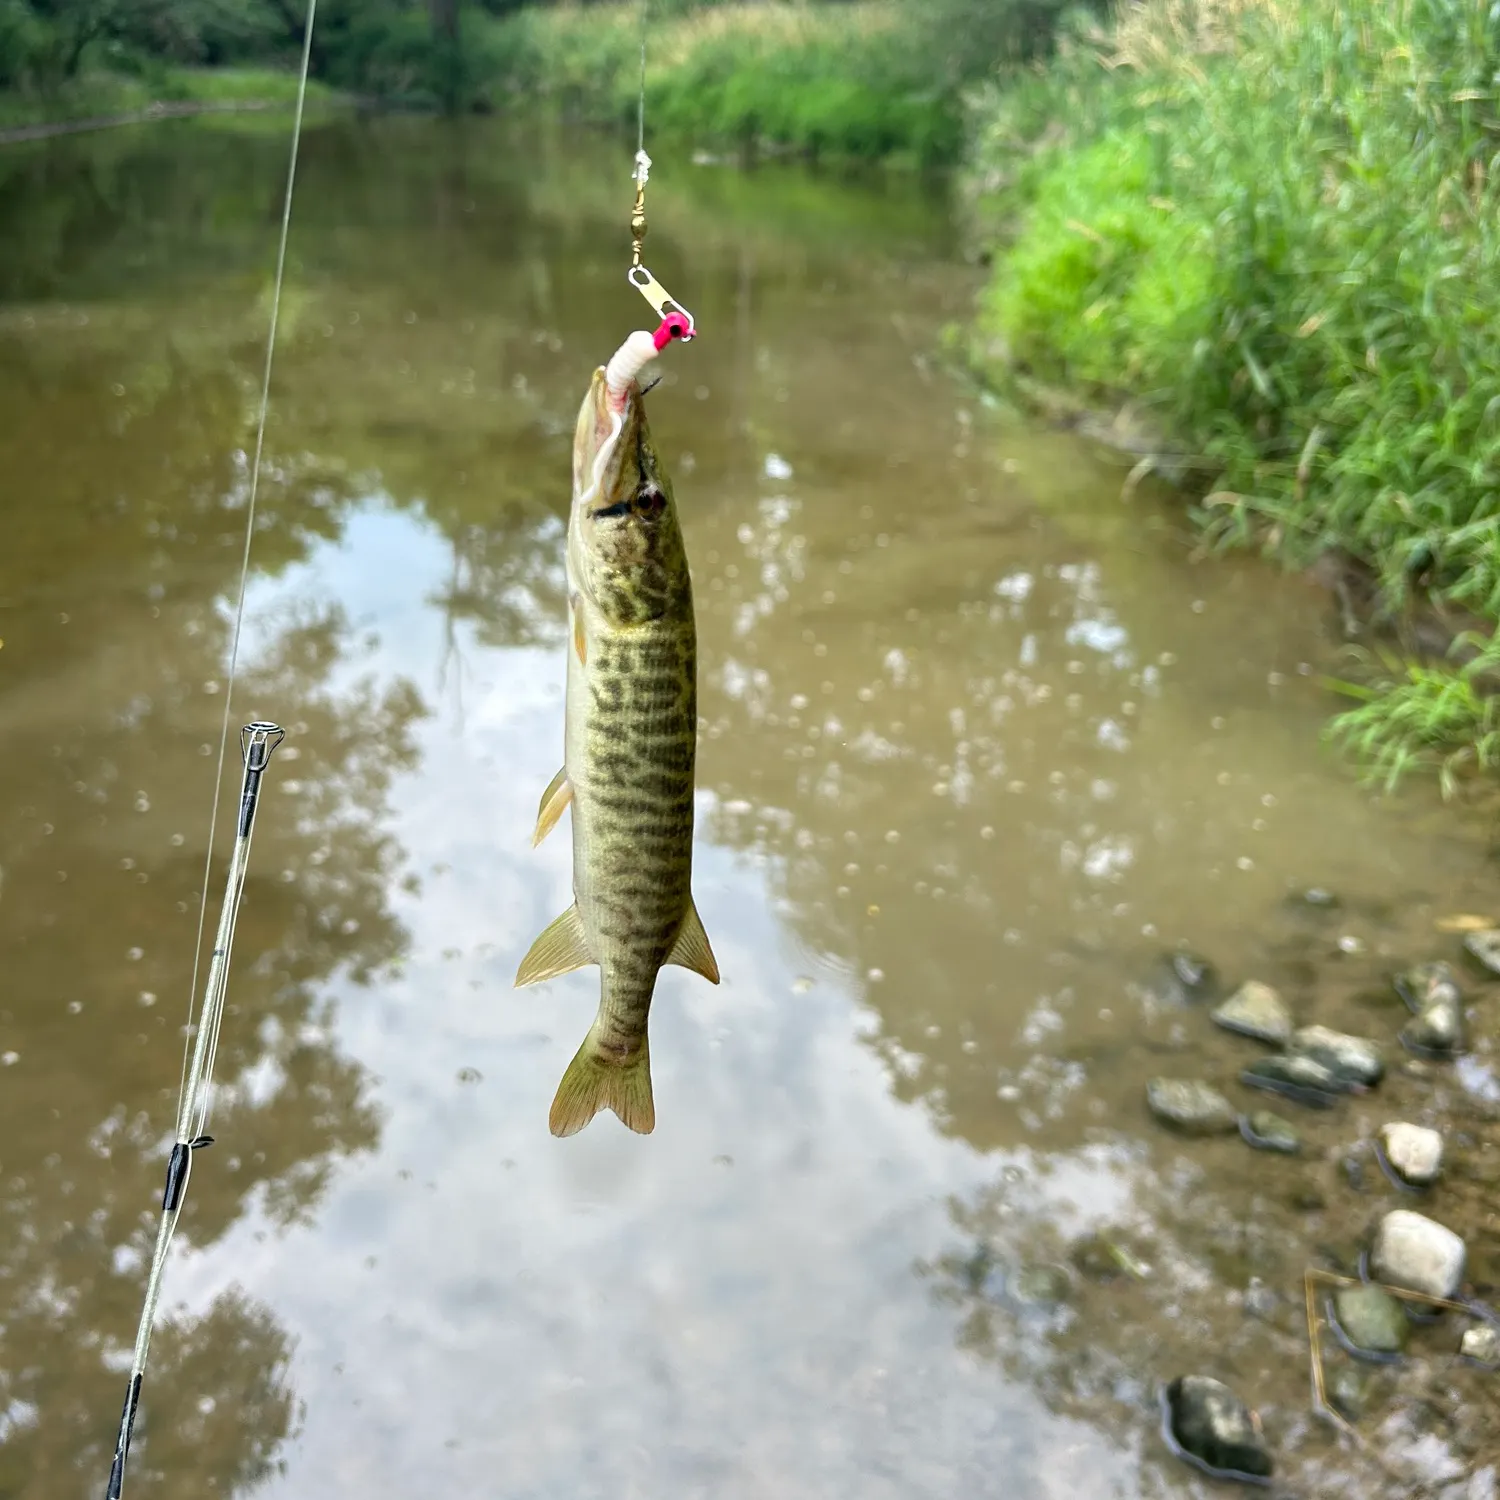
(650, 502)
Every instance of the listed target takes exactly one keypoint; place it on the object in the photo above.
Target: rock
(1256, 1010)
(1040, 1286)
(1415, 1252)
(1424, 985)
(1413, 1153)
(1214, 1428)
(1484, 947)
(1295, 1077)
(1437, 1031)
(1347, 1392)
(1353, 1061)
(1482, 1343)
(1318, 898)
(1261, 1301)
(1193, 1108)
(1371, 1320)
(1267, 1131)
(1183, 979)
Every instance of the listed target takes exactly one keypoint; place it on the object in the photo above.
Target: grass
(98, 94)
(823, 80)
(1277, 223)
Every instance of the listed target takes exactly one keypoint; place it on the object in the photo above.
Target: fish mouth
(606, 448)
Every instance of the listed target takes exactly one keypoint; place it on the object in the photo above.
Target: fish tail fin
(596, 1081)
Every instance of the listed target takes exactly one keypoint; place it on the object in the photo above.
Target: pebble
(1423, 985)
(1040, 1286)
(1301, 1079)
(1419, 1254)
(1414, 1153)
(1347, 1391)
(1214, 1428)
(1191, 1107)
(1351, 1059)
(1484, 947)
(1438, 1031)
(1183, 978)
(1371, 1320)
(1482, 1344)
(1256, 1010)
(1267, 1131)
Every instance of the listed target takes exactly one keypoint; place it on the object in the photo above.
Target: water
(981, 740)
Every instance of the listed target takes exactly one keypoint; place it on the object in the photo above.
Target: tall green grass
(1278, 223)
(830, 80)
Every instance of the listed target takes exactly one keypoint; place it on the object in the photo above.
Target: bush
(1278, 224)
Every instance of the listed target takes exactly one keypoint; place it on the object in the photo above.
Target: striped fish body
(629, 749)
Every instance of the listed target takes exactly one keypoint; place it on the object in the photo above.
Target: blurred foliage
(858, 79)
(1276, 224)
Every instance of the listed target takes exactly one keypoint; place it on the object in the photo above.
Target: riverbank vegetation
(870, 79)
(1275, 224)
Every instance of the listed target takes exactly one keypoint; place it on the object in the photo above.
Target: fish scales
(629, 754)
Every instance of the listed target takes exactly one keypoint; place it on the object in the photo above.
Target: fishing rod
(258, 741)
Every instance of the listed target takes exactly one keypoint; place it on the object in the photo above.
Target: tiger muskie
(628, 751)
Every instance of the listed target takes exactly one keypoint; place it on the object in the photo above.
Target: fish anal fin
(557, 796)
(692, 950)
(561, 948)
(596, 1081)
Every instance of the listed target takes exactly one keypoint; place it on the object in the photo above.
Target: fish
(629, 748)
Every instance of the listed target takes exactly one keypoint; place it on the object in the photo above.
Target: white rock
(1414, 1152)
(1414, 1252)
(1482, 1344)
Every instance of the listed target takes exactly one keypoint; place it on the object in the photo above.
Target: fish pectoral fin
(560, 949)
(691, 950)
(596, 1081)
(557, 796)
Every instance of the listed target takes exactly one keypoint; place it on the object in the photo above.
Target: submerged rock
(1347, 1391)
(1413, 1153)
(1256, 1010)
(1267, 1131)
(1484, 947)
(1183, 978)
(1191, 1107)
(1419, 1254)
(1437, 1032)
(1371, 1320)
(1318, 898)
(1424, 985)
(1432, 993)
(1352, 1060)
(1293, 1076)
(1482, 1344)
(1040, 1286)
(1210, 1425)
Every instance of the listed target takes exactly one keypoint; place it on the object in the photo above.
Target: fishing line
(640, 117)
(257, 742)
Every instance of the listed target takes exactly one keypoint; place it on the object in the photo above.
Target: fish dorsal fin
(560, 949)
(557, 796)
(691, 950)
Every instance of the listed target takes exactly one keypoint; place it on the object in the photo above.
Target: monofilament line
(194, 1092)
(184, 1102)
(640, 115)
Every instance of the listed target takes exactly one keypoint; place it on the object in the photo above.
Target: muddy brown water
(981, 739)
